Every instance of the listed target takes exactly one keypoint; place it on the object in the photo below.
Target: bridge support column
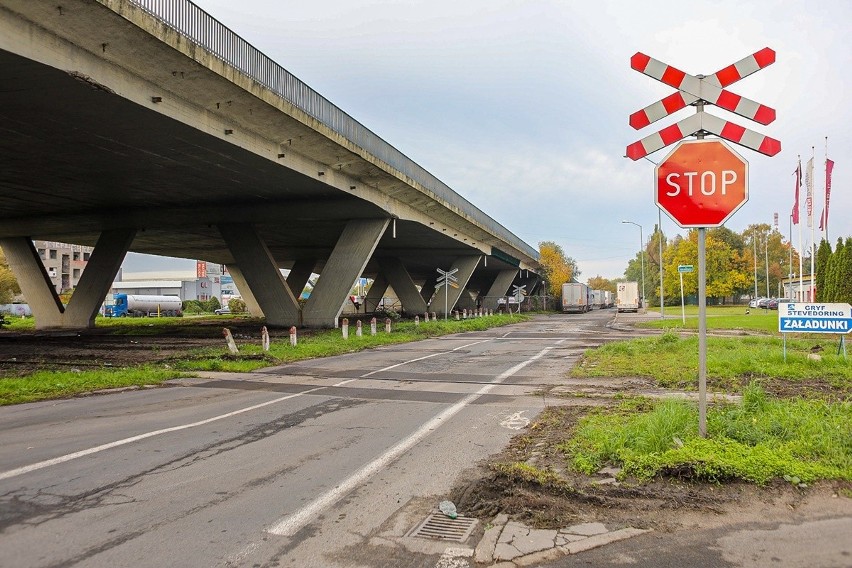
(299, 276)
(500, 287)
(94, 285)
(259, 273)
(345, 265)
(403, 285)
(245, 291)
(376, 293)
(466, 265)
(428, 288)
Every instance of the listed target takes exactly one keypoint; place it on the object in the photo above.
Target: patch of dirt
(668, 504)
(25, 352)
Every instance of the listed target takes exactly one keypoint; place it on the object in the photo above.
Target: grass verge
(672, 361)
(757, 440)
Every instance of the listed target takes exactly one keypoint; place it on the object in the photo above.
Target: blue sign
(814, 318)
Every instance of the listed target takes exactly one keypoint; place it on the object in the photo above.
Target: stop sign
(701, 183)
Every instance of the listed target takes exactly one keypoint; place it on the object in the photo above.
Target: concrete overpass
(148, 126)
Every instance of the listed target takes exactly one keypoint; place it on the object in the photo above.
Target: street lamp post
(641, 257)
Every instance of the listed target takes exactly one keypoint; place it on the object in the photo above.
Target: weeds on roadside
(755, 440)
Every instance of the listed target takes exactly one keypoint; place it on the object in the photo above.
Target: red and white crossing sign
(701, 183)
(694, 89)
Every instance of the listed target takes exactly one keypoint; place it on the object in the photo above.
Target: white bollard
(456, 314)
(434, 316)
(387, 325)
(293, 338)
(264, 338)
(426, 317)
(416, 321)
(229, 339)
(464, 313)
(358, 328)
(344, 325)
(373, 326)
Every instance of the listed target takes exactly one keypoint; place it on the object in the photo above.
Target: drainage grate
(439, 526)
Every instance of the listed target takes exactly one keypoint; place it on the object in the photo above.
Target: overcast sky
(522, 106)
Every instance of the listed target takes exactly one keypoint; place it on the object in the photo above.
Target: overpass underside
(112, 136)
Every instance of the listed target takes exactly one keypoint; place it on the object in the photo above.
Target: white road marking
(89, 451)
(293, 523)
(516, 421)
(364, 376)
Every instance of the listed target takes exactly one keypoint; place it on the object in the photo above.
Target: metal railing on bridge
(207, 32)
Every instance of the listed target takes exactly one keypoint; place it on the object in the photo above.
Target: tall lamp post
(641, 257)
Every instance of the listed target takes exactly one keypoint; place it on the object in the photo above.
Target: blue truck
(137, 305)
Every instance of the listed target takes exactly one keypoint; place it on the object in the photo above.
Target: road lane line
(89, 451)
(364, 376)
(293, 523)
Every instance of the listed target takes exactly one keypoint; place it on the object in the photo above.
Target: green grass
(757, 440)
(45, 385)
(330, 342)
(718, 317)
(672, 361)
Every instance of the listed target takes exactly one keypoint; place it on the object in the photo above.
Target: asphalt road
(329, 462)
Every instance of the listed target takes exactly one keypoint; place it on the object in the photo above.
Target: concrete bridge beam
(500, 287)
(299, 276)
(403, 285)
(93, 287)
(376, 293)
(345, 265)
(252, 305)
(259, 273)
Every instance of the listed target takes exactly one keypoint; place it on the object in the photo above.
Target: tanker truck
(136, 305)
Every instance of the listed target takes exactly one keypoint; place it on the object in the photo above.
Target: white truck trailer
(575, 297)
(628, 297)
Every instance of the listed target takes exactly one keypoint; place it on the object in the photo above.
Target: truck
(575, 297)
(596, 299)
(607, 299)
(628, 297)
(137, 305)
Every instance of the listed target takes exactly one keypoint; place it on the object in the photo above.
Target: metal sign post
(519, 295)
(445, 280)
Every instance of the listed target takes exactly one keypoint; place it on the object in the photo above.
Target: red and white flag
(823, 220)
(798, 174)
(809, 191)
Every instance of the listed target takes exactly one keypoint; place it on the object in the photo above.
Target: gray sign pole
(682, 307)
(702, 335)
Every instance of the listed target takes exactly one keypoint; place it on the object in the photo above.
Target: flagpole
(811, 223)
(801, 250)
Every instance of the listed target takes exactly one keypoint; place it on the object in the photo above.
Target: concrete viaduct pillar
(299, 276)
(466, 266)
(94, 284)
(376, 293)
(402, 283)
(345, 265)
(257, 272)
(500, 287)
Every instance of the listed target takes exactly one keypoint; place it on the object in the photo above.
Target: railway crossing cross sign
(699, 90)
(701, 183)
(446, 279)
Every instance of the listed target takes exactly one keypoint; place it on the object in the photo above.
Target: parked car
(779, 301)
(773, 304)
(763, 303)
(224, 311)
(754, 302)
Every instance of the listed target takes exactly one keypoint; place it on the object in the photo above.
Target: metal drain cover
(439, 526)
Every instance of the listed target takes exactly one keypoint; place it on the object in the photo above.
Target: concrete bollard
(416, 321)
(434, 316)
(229, 339)
(426, 317)
(264, 338)
(344, 325)
(358, 328)
(387, 325)
(293, 339)
(456, 313)
(464, 313)
(373, 326)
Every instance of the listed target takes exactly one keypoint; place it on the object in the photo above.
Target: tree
(600, 283)
(726, 268)
(832, 266)
(8, 283)
(844, 272)
(557, 268)
(823, 252)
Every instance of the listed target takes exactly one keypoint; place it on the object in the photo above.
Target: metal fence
(207, 32)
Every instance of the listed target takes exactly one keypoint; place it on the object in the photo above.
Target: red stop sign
(701, 183)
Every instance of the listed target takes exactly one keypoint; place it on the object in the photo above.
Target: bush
(192, 307)
(237, 305)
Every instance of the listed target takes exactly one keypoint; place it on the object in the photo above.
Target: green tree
(726, 268)
(557, 268)
(844, 273)
(8, 283)
(823, 252)
(831, 273)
